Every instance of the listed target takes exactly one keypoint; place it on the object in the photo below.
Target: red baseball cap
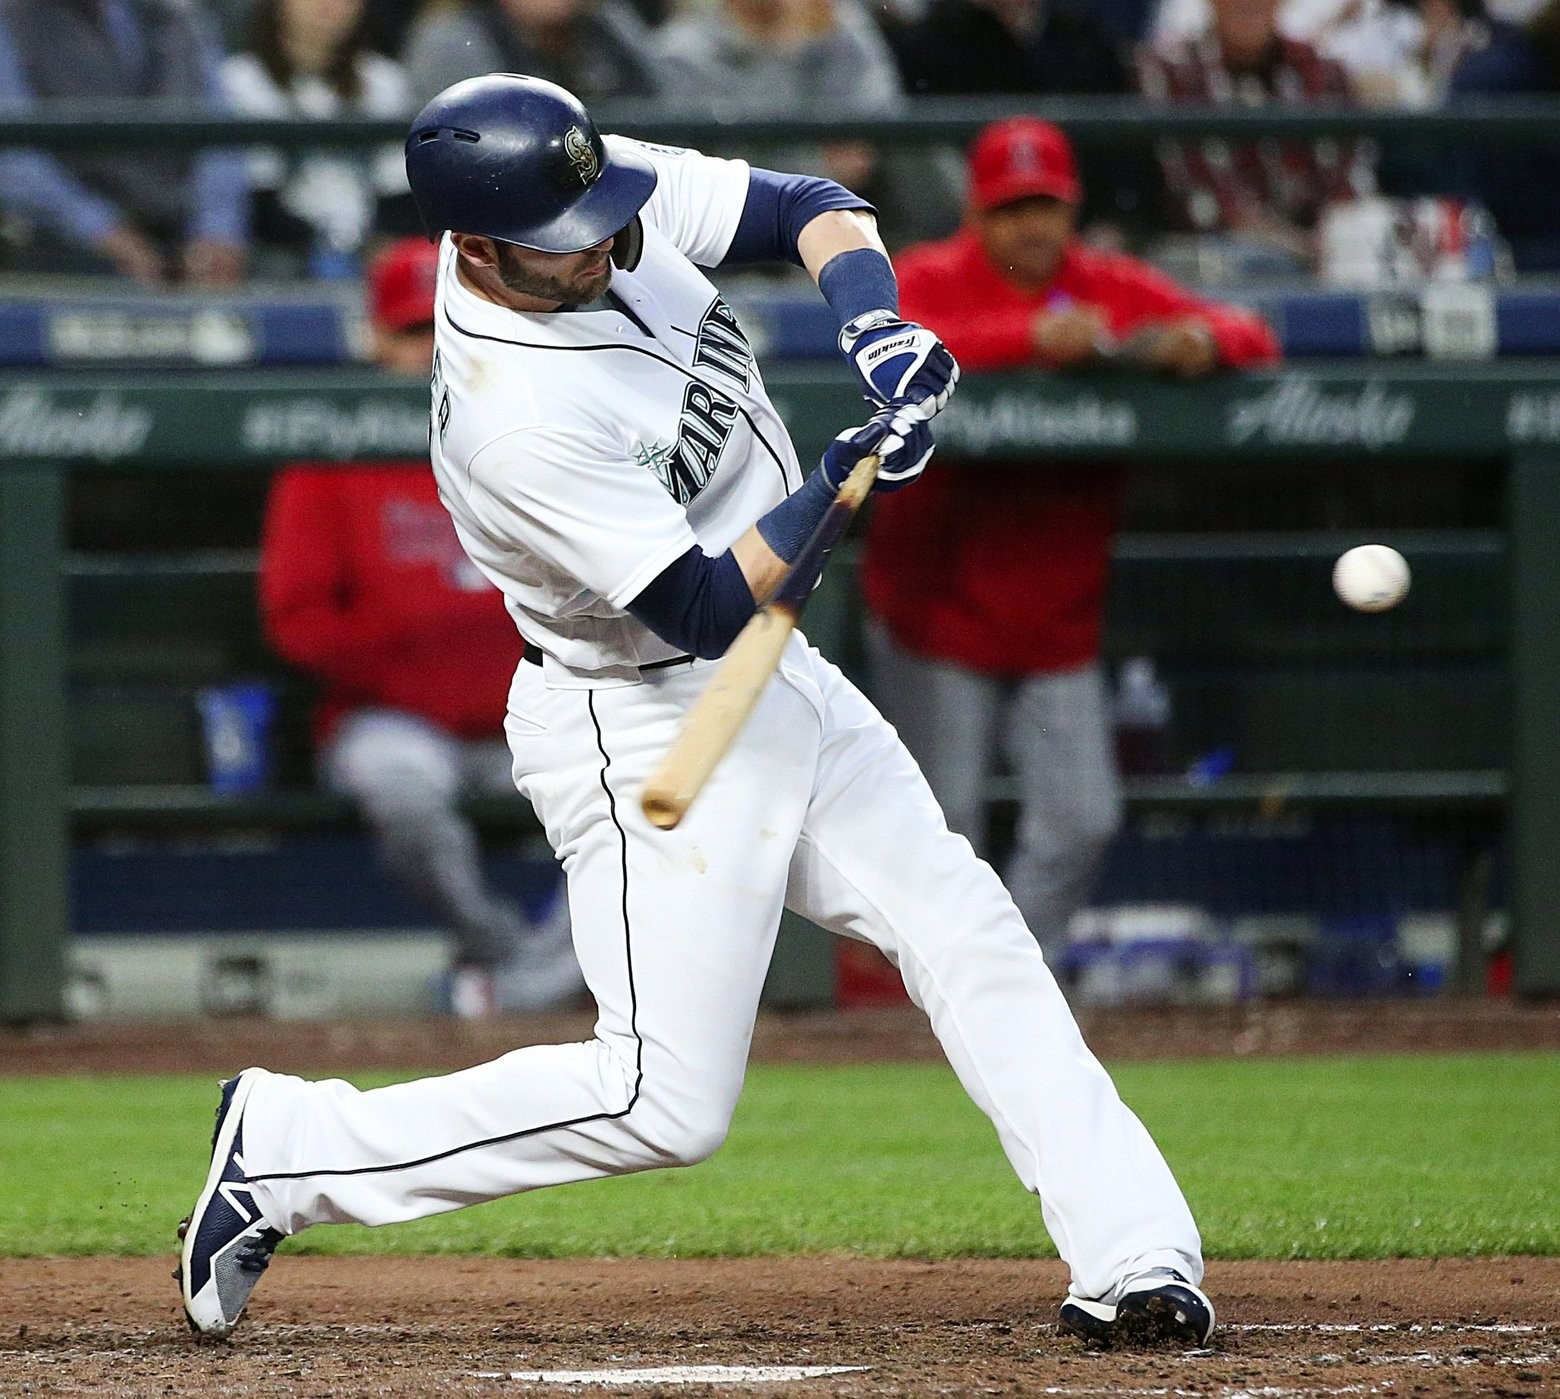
(1020, 158)
(401, 283)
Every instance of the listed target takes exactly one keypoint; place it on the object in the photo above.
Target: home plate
(675, 1374)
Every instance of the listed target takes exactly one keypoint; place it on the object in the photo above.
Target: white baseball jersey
(580, 453)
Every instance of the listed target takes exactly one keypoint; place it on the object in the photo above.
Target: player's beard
(573, 288)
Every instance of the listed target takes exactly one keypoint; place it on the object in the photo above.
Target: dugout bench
(1348, 417)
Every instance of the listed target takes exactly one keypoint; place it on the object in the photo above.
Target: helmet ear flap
(628, 244)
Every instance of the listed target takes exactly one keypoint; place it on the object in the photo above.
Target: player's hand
(1185, 348)
(897, 361)
(901, 436)
(1071, 335)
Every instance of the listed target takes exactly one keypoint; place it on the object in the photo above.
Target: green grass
(1304, 1158)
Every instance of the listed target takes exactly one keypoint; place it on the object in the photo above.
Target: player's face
(568, 279)
(1026, 238)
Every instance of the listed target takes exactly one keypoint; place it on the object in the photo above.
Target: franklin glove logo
(582, 156)
(887, 349)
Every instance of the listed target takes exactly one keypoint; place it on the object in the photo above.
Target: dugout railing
(1089, 121)
(1362, 414)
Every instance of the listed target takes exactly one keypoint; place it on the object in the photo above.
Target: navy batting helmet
(519, 159)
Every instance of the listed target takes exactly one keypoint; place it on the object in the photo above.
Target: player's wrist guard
(857, 326)
(897, 361)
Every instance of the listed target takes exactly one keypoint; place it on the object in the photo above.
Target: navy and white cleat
(227, 1242)
(1156, 1308)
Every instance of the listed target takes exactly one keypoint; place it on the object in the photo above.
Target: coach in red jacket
(988, 581)
(364, 584)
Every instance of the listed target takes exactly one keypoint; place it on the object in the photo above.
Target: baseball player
(1007, 651)
(604, 442)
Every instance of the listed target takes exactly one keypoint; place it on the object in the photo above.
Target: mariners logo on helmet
(582, 155)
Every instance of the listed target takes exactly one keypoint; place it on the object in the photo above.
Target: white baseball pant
(818, 806)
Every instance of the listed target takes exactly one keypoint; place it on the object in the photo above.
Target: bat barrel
(717, 716)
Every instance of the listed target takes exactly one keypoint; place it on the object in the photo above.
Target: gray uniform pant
(1054, 729)
(407, 775)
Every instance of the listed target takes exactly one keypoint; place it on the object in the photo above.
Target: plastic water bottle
(236, 726)
(1142, 718)
(1479, 254)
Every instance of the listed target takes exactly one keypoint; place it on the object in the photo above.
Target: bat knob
(662, 809)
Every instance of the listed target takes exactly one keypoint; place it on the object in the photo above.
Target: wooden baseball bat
(720, 712)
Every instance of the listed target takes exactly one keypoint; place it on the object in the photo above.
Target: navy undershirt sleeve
(696, 603)
(778, 208)
(859, 281)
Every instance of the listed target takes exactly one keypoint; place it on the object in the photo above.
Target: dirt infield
(348, 1327)
(862, 1036)
(411, 1326)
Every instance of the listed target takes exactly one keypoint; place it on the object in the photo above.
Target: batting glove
(901, 437)
(898, 361)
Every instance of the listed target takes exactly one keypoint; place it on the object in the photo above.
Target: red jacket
(363, 583)
(1001, 567)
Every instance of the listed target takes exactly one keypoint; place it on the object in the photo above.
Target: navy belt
(534, 654)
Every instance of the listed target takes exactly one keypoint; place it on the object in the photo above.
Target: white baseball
(1371, 577)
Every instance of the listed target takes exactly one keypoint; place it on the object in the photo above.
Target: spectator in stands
(1023, 47)
(1373, 40)
(1449, 30)
(364, 584)
(773, 58)
(986, 584)
(306, 58)
(1376, 41)
(1269, 193)
(153, 216)
(1516, 183)
(596, 48)
(778, 57)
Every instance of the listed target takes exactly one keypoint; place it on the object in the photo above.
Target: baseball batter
(603, 440)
